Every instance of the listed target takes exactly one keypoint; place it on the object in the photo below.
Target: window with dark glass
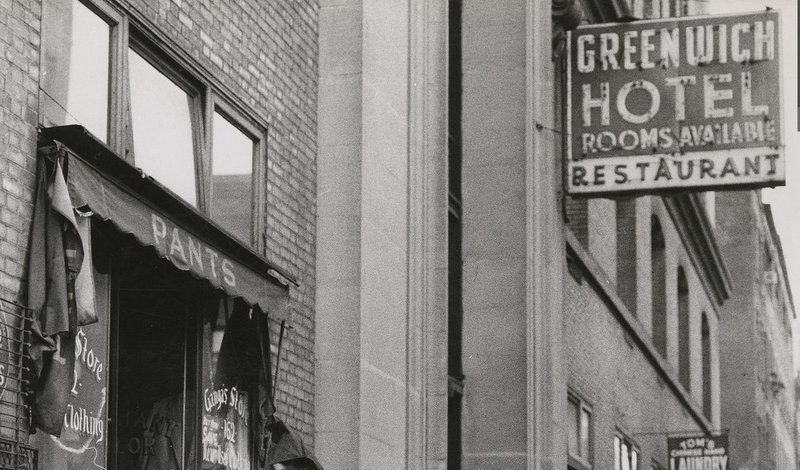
(705, 334)
(75, 66)
(154, 337)
(684, 336)
(579, 429)
(455, 308)
(658, 280)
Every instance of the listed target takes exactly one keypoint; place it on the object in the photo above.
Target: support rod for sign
(278, 360)
(677, 433)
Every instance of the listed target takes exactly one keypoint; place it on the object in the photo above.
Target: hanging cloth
(280, 445)
(60, 293)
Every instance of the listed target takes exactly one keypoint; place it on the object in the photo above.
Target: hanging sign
(83, 443)
(675, 104)
(698, 452)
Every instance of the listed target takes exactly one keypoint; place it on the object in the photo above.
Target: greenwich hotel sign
(673, 104)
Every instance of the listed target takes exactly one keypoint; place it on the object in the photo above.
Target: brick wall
(607, 252)
(19, 75)
(626, 252)
(577, 218)
(265, 53)
(607, 370)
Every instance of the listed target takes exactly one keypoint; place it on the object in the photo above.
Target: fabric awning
(158, 219)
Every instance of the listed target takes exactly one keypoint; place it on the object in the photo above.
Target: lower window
(626, 454)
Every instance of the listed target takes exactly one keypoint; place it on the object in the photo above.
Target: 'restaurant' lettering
(182, 248)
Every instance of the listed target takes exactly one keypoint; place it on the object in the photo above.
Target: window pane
(634, 459)
(152, 428)
(624, 456)
(572, 427)
(232, 179)
(617, 462)
(162, 128)
(230, 363)
(585, 434)
(75, 67)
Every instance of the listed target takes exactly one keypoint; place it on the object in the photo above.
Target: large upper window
(232, 177)
(145, 104)
(75, 78)
(161, 115)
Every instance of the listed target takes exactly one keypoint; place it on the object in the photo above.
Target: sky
(785, 201)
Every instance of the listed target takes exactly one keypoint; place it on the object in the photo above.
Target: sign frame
(769, 155)
(700, 446)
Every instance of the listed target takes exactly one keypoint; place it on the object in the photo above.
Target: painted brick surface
(757, 339)
(606, 368)
(266, 54)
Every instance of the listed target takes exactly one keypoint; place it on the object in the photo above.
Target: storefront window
(75, 67)
(230, 362)
(154, 425)
(161, 113)
(232, 178)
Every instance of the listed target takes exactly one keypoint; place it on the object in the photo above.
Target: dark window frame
(215, 103)
(658, 287)
(129, 29)
(577, 461)
(195, 91)
(684, 330)
(705, 350)
(621, 437)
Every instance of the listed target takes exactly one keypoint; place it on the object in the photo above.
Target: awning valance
(158, 219)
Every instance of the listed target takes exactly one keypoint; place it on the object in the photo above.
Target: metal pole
(278, 360)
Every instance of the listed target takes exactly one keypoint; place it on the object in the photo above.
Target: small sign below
(675, 104)
(698, 452)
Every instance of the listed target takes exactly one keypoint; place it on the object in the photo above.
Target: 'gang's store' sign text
(669, 104)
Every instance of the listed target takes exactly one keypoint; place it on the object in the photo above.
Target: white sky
(785, 201)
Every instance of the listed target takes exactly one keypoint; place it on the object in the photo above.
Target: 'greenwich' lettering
(180, 246)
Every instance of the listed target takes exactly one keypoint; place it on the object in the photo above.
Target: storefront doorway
(168, 379)
(155, 355)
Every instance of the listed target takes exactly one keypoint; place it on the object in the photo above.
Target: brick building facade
(256, 62)
(642, 308)
(758, 392)
(448, 307)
